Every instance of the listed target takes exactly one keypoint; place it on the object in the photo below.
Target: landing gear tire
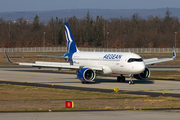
(120, 78)
(131, 82)
(123, 79)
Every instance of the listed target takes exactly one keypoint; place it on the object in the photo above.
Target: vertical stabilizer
(174, 53)
(71, 45)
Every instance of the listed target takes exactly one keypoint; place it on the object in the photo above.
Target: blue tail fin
(174, 53)
(71, 45)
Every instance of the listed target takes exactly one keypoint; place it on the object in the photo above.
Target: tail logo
(68, 39)
(71, 46)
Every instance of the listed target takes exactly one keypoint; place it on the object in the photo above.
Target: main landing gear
(121, 78)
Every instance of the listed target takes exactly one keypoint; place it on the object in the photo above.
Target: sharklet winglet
(8, 57)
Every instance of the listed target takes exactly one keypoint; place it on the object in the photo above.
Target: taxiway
(49, 78)
(90, 115)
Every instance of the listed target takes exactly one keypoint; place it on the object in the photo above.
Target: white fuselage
(111, 62)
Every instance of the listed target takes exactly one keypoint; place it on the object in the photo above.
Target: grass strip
(29, 98)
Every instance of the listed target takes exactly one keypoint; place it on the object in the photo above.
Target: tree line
(133, 32)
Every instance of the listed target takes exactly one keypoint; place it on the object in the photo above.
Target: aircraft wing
(51, 65)
(152, 61)
(59, 65)
(46, 64)
(156, 60)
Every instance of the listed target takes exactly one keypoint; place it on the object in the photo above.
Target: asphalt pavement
(92, 115)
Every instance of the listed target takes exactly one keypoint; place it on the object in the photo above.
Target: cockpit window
(135, 60)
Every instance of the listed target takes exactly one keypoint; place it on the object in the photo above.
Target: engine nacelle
(144, 75)
(86, 74)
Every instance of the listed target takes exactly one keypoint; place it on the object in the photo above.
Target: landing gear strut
(121, 78)
(131, 81)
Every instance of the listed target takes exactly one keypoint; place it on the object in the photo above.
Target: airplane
(90, 64)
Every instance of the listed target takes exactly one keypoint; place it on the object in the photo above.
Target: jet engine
(144, 75)
(86, 74)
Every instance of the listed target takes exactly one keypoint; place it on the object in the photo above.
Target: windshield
(135, 60)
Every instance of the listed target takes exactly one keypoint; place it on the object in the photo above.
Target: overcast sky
(44, 5)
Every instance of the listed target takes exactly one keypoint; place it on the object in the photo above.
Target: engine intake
(86, 74)
(144, 75)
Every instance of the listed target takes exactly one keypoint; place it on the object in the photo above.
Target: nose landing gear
(131, 81)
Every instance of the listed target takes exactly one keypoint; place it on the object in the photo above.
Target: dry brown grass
(16, 92)
(24, 98)
(166, 75)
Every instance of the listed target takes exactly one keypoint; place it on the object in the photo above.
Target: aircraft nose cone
(141, 67)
